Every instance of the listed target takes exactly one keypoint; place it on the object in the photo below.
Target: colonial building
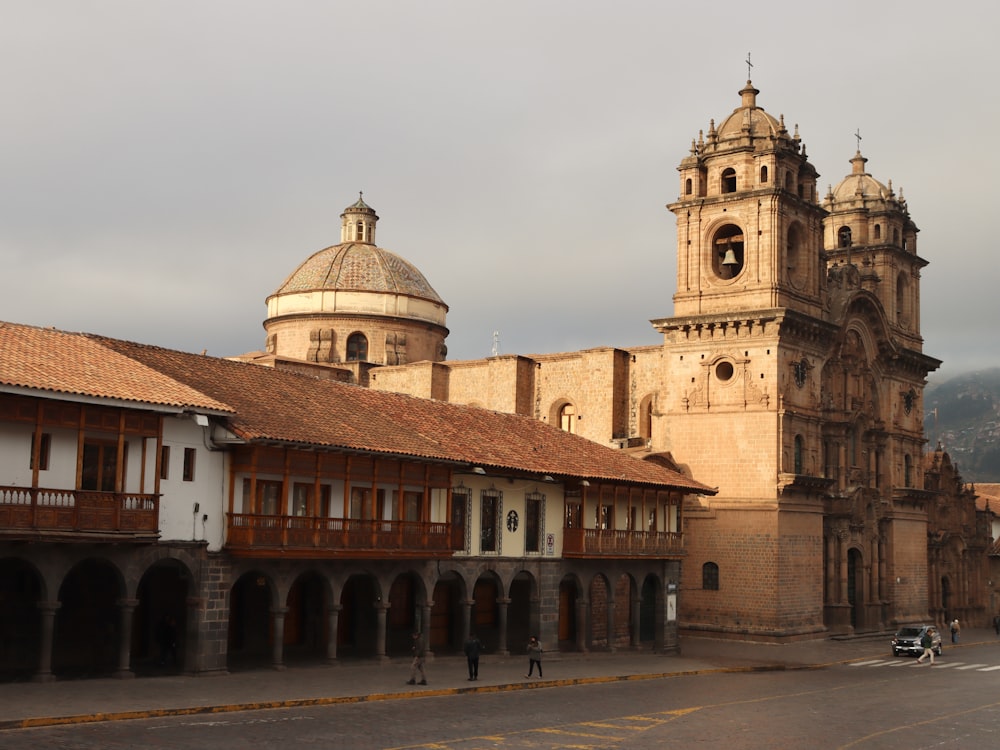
(791, 375)
(267, 516)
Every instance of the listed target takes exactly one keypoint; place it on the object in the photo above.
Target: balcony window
(100, 463)
(574, 515)
(44, 446)
(301, 499)
(268, 498)
(489, 521)
(165, 462)
(533, 522)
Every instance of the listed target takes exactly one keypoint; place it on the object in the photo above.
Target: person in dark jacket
(534, 656)
(473, 646)
(927, 643)
(417, 665)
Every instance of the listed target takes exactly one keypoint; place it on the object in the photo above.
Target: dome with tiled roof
(357, 264)
(750, 119)
(356, 302)
(860, 187)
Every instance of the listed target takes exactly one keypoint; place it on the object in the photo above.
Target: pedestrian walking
(956, 630)
(417, 665)
(534, 656)
(472, 648)
(996, 624)
(927, 643)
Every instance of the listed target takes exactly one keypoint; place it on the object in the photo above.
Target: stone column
(635, 618)
(278, 644)
(332, 626)
(467, 617)
(425, 626)
(502, 644)
(125, 607)
(192, 662)
(609, 616)
(381, 611)
(45, 642)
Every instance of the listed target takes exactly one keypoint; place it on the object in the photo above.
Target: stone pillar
(842, 560)
(46, 638)
(635, 618)
(502, 648)
(332, 626)
(381, 611)
(831, 569)
(125, 607)
(425, 626)
(468, 604)
(609, 616)
(278, 643)
(192, 661)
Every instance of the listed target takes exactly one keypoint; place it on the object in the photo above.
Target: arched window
(360, 235)
(798, 454)
(727, 260)
(357, 348)
(710, 576)
(844, 237)
(567, 418)
(729, 180)
(688, 186)
(763, 175)
(907, 470)
(878, 231)
(902, 292)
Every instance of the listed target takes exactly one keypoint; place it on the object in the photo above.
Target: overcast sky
(165, 165)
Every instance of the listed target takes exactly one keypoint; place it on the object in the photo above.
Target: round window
(724, 371)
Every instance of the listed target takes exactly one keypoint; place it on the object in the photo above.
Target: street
(877, 703)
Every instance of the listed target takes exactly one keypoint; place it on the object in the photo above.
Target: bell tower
(749, 227)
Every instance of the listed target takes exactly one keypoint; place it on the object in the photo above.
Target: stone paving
(108, 699)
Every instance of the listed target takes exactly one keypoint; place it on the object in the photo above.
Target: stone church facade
(790, 377)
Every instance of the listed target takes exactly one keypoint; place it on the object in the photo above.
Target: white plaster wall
(178, 519)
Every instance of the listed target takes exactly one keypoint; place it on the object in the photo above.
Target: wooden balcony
(251, 535)
(40, 513)
(621, 543)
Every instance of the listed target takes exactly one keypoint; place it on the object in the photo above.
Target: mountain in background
(963, 414)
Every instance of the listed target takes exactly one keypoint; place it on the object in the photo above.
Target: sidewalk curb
(51, 721)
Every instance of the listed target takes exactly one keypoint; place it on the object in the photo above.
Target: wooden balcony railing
(37, 511)
(621, 543)
(259, 535)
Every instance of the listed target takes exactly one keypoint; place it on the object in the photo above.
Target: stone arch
(362, 606)
(563, 414)
(162, 594)
(307, 604)
(651, 613)
(487, 592)
(450, 613)
(572, 614)
(253, 599)
(407, 612)
(22, 589)
(89, 625)
(522, 611)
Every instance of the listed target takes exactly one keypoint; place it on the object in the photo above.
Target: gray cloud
(164, 166)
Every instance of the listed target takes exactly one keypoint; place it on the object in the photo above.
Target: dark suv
(907, 640)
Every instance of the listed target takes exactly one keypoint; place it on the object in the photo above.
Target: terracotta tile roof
(988, 493)
(271, 405)
(77, 364)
